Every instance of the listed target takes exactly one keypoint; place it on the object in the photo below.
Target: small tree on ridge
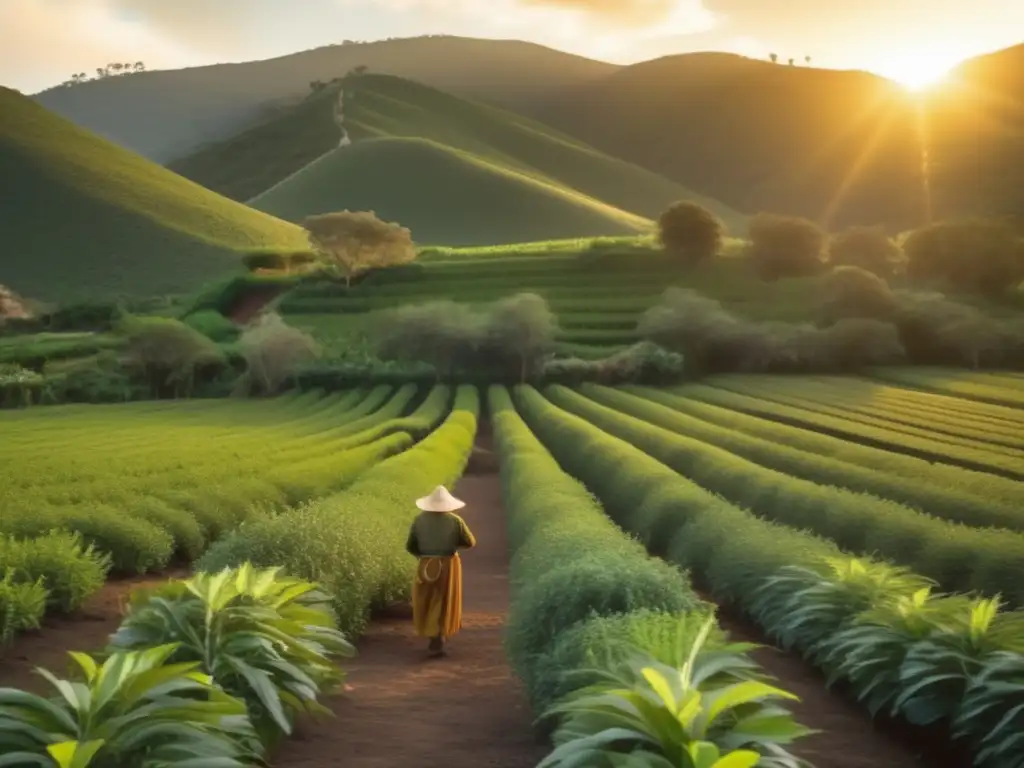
(691, 232)
(357, 242)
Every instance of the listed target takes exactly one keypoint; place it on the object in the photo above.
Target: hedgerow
(956, 556)
(571, 567)
(352, 542)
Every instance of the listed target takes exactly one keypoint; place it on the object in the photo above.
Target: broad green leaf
(74, 754)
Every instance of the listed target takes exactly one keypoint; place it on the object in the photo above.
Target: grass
(87, 219)
(457, 172)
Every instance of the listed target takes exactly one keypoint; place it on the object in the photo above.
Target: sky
(43, 41)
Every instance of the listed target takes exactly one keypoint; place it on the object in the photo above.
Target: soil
(250, 305)
(462, 711)
(87, 630)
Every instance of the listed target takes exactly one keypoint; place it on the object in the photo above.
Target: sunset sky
(43, 41)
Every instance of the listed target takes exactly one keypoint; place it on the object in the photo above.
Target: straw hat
(440, 501)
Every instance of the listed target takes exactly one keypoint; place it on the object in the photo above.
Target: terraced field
(598, 295)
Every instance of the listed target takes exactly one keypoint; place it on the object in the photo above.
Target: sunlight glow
(919, 70)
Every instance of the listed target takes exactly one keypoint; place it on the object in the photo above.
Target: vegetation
(868, 248)
(355, 243)
(273, 353)
(126, 226)
(785, 246)
(690, 232)
(939, 252)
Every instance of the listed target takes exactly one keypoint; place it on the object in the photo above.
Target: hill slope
(444, 196)
(841, 147)
(144, 111)
(89, 219)
(471, 173)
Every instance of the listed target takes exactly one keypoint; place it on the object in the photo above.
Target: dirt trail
(463, 711)
(88, 630)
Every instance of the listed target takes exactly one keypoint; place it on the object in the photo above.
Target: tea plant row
(904, 650)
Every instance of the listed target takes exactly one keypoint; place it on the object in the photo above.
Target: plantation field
(92, 220)
(597, 292)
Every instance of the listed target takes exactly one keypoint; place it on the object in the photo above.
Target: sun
(917, 73)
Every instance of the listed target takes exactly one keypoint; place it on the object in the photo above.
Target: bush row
(916, 490)
(956, 556)
(742, 397)
(578, 582)
(352, 542)
(746, 560)
(160, 485)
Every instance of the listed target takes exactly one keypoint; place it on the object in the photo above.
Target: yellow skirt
(437, 597)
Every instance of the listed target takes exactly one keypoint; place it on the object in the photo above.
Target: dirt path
(463, 711)
(848, 737)
(88, 630)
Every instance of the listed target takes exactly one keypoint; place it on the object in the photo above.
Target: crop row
(903, 651)
(1007, 391)
(941, 429)
(945, 492)
(162, 489)
(956, 556)
(352, 541)
(879, 437)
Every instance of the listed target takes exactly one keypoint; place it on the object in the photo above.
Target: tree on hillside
(807, 60)
(690, 232)
(792, 62)
(785, 246)
(977, 254)
(522, 329)
(865, 247)
(168, 353)
(774, 57)
(356, 242)
(443, 334)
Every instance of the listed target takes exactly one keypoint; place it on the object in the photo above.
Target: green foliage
(22, 605)
(134, 708)
(643, 362)
(168, 353)
(352, 542)
(785, 246)
(985, 256)
(510, 337)
(854, 292)
(715, 340)
(262, 637)
(69, 570)
(128, 226)
(213, 325)
(867, 248)
(691, 232)
(567, 568)
(711, 712)
(957, 557)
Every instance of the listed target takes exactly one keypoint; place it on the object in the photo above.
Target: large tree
(356, 242)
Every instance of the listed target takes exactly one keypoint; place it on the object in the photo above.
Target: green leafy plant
(135, 709)
(713, 712)
(991, 714)
(262, 637)
(22, 605)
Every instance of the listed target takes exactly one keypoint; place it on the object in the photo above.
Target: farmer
(434, 537)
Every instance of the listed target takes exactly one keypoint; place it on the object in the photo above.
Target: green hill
(166, 115)
(457, 172)
(84, 218)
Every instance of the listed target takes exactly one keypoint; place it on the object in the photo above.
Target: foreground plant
(992, 712)
(262, 637)
(135, 709)
(712, 712)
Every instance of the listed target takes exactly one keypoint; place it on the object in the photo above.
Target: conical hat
(439, 501)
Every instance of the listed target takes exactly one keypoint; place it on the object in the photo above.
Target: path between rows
(463, 711)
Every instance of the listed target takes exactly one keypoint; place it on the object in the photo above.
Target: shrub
(785, 246)
(22, 605)
(643, 362)
(169, 354)
(84, 316)
(20, 387)
(980, 255)
(282, 666)
(854, 292)
(213, 325)
(714, 340)
(867, 248)
(274, 352)
(519, 332)
(690, 232)
(70, 570)
(358, 242)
